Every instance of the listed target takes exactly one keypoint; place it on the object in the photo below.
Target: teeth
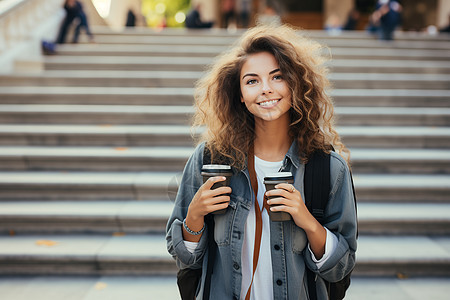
(268, 103)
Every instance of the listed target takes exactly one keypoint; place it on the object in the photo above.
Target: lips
(268, 103)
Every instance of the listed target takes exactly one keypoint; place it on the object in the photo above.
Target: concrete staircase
(91, 150)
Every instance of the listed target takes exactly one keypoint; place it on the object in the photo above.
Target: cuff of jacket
(337, 265)
(187, 259)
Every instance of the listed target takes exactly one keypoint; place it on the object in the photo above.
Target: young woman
(265, 103)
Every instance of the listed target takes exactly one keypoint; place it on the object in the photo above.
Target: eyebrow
(253, 74)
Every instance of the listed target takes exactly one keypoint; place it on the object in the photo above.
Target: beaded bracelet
(190, 230)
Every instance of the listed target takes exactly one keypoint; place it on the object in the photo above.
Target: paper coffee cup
(217, 170)
(270, 181)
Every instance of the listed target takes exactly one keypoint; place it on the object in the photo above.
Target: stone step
(91, 287)
(181, 115)
(220, 32)
(58, 186)
(94, 78)
(84, 217)
(183, 96)
(393, 116)
(129, 63)
(389, 54)
(187, 79)
(85, 255)
(403, 256)
(110, 95)
(118, 159)
(400, 161)
(389, 66)
(165, 288)
(211, 51)
(403, 219)
(179, 135)
(88, 185)
(416, 288)
(228, 40)
(131, 217)
(96, 114)
(172, 159)
(147, 255)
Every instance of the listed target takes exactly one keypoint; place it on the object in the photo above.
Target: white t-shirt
(262, 287)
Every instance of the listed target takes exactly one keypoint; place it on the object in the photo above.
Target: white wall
(443, 12)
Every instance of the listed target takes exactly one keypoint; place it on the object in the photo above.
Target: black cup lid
(216, 168)
(278, 176)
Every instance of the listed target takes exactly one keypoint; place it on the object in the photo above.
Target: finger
(219, 206)
(212, 180)
(221, 191)
(286, 186)
(279, 193)
(278, 201)
(219, 199)
(218, 203)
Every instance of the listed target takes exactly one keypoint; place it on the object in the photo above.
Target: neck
(272, 141)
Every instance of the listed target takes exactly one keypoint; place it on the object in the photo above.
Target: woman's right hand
(204, 202)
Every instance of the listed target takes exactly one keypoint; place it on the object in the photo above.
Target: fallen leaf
(119, 234)
(46, 243)
(12, 232)
(100, 286)
(121, 148)
(402, 276)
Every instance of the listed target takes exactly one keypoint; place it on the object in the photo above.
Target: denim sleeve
(340, 218)
(190, 183)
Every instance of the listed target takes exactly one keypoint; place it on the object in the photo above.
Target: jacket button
(236, 266)
(276, 247)
(279, 282)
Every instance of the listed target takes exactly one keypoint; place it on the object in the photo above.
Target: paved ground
(164, 288)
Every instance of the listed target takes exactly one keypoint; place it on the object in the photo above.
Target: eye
(278, 77)
(251, 81)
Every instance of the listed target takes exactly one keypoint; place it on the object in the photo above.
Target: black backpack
(316, 186)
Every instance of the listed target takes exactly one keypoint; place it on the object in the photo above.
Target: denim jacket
(290, 255)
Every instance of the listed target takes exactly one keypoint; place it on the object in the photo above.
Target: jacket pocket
(298, 238)
(223, 223)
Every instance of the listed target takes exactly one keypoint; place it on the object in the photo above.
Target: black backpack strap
(209, 220)
(317, 189)
(317, 184)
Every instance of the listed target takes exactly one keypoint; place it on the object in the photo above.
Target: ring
(293, 189)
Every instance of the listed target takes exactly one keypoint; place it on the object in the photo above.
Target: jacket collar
(294, 155)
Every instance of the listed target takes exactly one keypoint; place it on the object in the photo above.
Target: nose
(266, 88)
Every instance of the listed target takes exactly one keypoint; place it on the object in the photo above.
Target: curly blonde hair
(230, 126)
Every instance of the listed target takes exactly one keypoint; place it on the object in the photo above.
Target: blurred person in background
(352, 20)
(244, 8)
(74, 12)
(386, 18)
(228, 12)
(194, 20)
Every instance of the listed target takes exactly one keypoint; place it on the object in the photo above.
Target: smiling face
(264, 91)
